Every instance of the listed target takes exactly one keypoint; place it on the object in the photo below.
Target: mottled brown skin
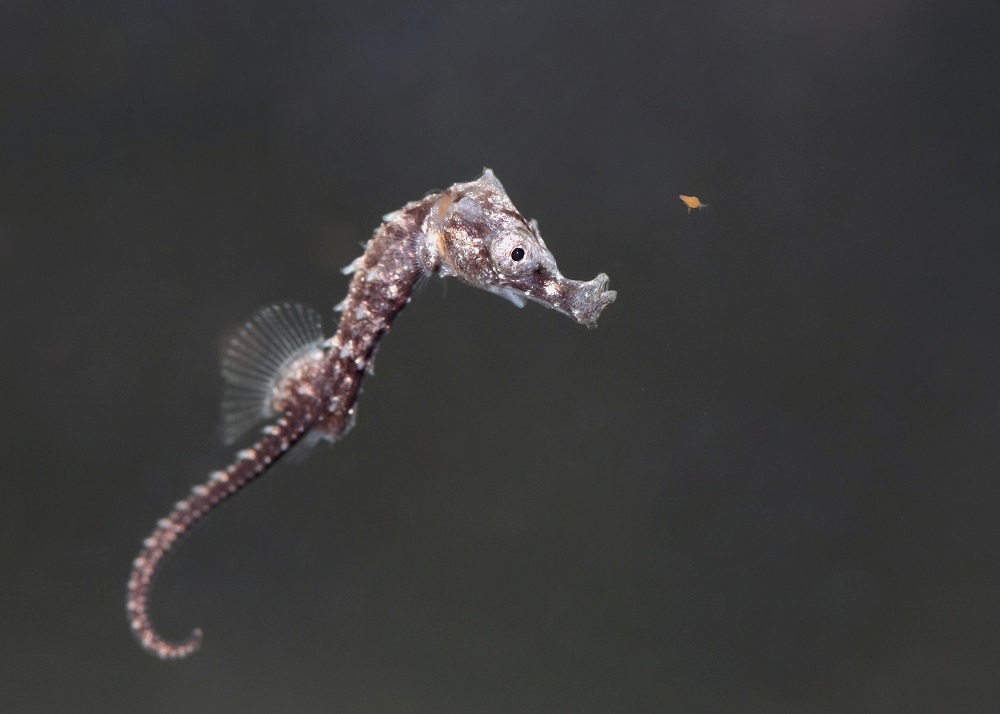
(471, 232)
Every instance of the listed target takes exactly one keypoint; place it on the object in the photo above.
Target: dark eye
(517, 254)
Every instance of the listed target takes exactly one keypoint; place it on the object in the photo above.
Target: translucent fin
(353, 266)
(422, 280)
(255, 359)
(512, 295)
(301, 451)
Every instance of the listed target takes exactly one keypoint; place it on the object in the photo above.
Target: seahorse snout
(588, 299)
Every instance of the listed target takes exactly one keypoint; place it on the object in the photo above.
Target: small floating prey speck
(692, 202)
(280, 367)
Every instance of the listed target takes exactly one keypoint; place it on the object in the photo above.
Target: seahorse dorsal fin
(256, 358)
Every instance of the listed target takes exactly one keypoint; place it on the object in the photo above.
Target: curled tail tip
(161, 649)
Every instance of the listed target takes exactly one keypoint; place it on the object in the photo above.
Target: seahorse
(279, 366)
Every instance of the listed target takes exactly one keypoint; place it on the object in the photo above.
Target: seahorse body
(279, 366)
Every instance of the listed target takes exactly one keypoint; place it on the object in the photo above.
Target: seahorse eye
(517, 254)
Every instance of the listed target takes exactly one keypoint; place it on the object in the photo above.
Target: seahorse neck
(383, 281)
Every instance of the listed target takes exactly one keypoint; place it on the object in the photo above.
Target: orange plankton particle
(692, 202)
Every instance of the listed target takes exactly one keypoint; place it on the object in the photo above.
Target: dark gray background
(767, 482)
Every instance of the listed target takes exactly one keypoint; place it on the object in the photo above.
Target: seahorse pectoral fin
(512, 295)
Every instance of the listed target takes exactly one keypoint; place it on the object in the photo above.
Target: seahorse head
(474, 233)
